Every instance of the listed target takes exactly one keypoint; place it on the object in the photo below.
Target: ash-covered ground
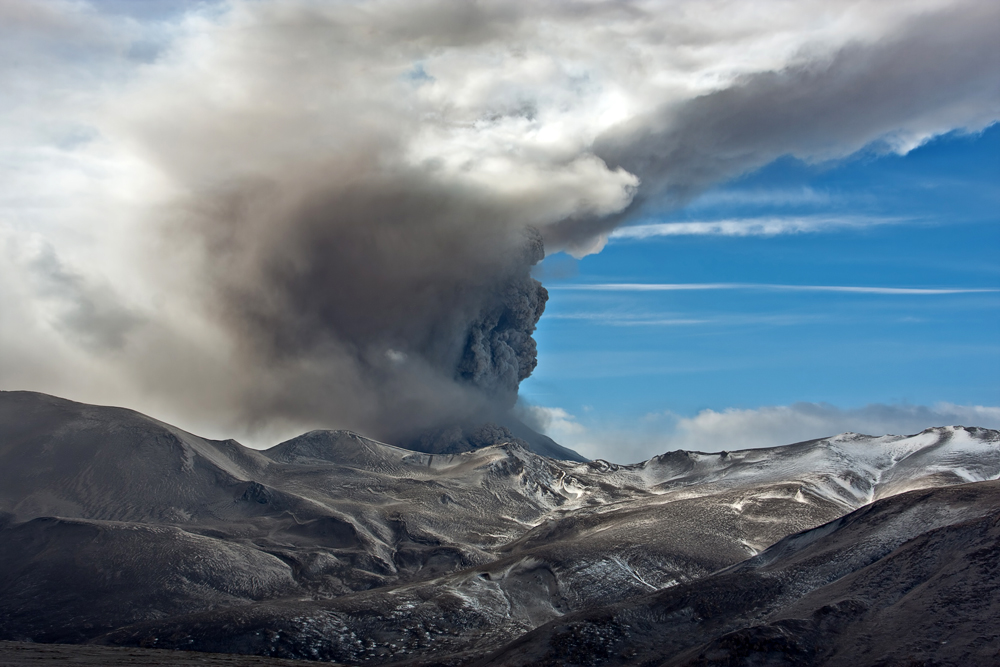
(120, 530)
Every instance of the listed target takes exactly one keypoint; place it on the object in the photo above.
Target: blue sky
(926, 220)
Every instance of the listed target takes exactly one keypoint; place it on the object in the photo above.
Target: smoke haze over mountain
(299, 214)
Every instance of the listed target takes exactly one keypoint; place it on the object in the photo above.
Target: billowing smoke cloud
(926, 77)
(393, 304)
(282, 215)
(499, 350)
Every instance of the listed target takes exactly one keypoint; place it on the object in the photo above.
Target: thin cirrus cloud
(679, 287)
(653, 319)
(805, 196)
(772, 226)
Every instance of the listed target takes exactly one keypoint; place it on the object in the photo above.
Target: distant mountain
(494, 429)
(116, 528)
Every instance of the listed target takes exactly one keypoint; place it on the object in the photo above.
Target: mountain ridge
(358, 544)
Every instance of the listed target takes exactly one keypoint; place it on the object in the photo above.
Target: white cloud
(770, 426)
(677, 287)
(730, 429)
(630, 319)
(554, 422)
(749, 227)
(667, 320)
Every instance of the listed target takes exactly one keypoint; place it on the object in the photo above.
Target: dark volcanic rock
(458, 438)
(26, 654)
(118, 528)
(912, 579)
(67, 580)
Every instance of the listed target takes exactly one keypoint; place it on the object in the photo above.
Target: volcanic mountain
(117, 529)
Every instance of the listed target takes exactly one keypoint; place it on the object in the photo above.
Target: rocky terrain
(908, 580)
(117, 529)
(27, 654)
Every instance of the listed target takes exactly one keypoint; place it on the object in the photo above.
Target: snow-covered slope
(908, 580)
(850, 469)
(349, 535)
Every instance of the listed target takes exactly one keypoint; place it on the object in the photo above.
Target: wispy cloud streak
(631, 320)
(680, 287)
(749, 227)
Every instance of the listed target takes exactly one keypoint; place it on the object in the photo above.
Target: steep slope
(155, 508)
(66, 580)
(911, 579)
(60, 458)
(540, 444)
(850, 469)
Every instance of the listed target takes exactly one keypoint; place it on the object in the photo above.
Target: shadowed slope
(63, 458)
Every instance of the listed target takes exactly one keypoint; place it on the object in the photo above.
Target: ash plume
(391, 306)
(499, 350)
